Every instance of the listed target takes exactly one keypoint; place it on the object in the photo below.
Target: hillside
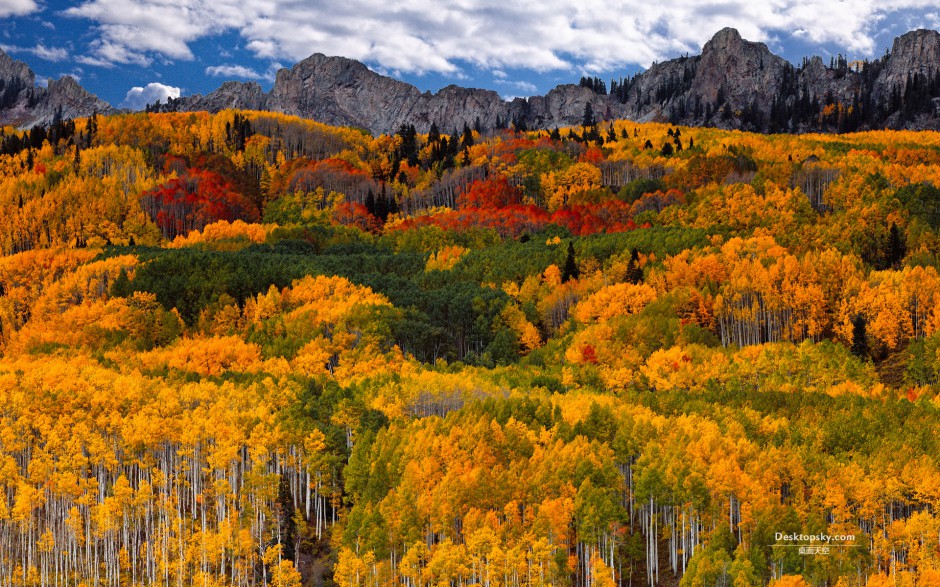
(246, 348)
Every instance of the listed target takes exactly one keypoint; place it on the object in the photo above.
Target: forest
(247, 349)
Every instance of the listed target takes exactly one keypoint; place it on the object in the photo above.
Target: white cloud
(419, 36)
(17, 7)
(41, 51)
(139, 97)
(242, 72)
(50, 53)
(527, 88)
(230, 71)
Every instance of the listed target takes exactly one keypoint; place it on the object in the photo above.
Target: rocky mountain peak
(69, 99)
(11, 68)
(728, 44)
(238, 95)
(727, 39)
(915, 52)
(24, 104)
(737, 71)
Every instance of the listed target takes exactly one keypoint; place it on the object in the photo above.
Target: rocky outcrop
(336, 90)
(916, 52)
(734, 83)
(737, 71)
(13, 69)
(65, 98)
(453, 107)
(565, 106)
(236, 95)
(24, 104)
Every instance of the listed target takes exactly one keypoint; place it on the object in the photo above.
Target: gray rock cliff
(24, 104)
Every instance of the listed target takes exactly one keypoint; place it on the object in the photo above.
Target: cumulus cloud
(17, 7)
(137, 98)
(418, 36)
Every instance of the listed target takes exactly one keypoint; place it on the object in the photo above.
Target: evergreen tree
(380, 208)
(571, 267)
(895, 248)
(859, 336)
(370, 202)
(634, 271)
(467, 139)
(286, 525)
(408, 150)
(588, 120)
(122, 288)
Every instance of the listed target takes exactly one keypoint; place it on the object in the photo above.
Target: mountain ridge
(25, 104)
(734, 83)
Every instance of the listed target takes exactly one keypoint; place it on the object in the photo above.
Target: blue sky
(130, 52)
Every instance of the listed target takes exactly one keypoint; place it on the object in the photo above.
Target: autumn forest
(245, 349)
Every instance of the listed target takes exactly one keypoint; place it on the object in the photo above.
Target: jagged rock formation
(341, 91)
(734, 83)
(236, 95)
(738, 84)
(565, 105)
(336, 90)
(24, 104)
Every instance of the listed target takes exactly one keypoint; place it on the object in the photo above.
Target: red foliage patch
(353, 214)
(494, 192)
(591, 155)
(511, 221)
(589, 354)
(194, 200)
